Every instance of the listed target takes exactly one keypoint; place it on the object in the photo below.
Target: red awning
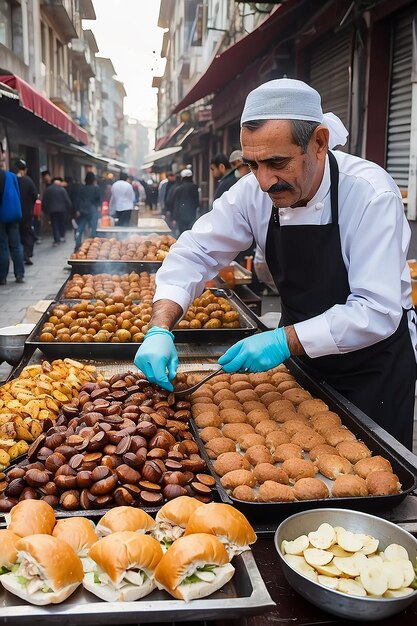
(227, 65)
(40, 106)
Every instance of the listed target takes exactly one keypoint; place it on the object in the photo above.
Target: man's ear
(320, 141)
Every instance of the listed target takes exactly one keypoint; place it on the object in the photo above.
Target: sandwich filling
(167, 533)
(29, 575)
(133, 576)
(233, 549)
(200, 572)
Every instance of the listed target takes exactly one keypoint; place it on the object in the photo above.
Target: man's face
(46, 178)
(217, 170)
(289, 176)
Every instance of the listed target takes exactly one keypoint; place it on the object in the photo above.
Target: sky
(126, 32)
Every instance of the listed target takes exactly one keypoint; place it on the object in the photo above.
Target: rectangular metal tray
(362, 426)
(84, 266)
(129, 349)
(245, 594)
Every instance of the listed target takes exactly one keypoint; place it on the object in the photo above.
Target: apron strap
(334, 187)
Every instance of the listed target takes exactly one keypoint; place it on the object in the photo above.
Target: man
(10, 216)
(236, 161)
(28, 197)
(185, 201)
(335, 237)
(122, 200)
(57, 205)
(223, 174)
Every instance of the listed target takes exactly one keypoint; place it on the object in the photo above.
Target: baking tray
(126, 350)
(362, 426)
(245, 594)
(100, 266)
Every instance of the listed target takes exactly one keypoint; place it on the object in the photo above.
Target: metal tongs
(186, 392)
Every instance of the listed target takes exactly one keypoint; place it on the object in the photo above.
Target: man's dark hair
(302, 130)
(90, 178)
(45, 173)
(123, 176)
(20, 165)
(220, 159)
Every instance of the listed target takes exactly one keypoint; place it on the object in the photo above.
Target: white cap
(289, 99)
(236, 155)
(186, 173)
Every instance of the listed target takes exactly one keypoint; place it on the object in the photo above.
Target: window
(17, 28)
(5, 23)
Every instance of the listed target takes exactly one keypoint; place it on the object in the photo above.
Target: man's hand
(157, 354)
(257, 353)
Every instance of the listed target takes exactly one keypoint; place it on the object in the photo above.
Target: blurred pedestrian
(236, 162)
(57, 205)
(28, 197)
(37, 217)
(223, 173)
(88, 207)
(186, 201)
(122, 200)
(10, 216)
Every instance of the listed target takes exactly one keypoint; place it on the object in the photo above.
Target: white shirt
(375, 236)
(122, 196)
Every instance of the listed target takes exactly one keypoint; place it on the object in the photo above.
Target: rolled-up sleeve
(214, 241)
(375, 253)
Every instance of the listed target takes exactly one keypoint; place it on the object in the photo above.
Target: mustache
(278, 187)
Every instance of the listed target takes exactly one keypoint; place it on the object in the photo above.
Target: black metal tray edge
(260, 512)
(112, 266)
(128, 349)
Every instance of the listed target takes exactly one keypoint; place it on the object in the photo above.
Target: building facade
(360, 56)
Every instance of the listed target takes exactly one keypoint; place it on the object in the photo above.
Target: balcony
(59, 92)
(61, 17)
(84, 58)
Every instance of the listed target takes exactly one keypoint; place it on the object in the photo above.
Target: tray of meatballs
(112, 325)
(276, 447)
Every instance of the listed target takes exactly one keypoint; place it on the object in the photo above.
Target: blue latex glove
(155, 355)
(257, 353)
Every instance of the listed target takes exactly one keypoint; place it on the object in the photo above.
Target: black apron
(307, 265)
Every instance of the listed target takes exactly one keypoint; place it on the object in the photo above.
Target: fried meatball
(270, 491)
(275, 438)
(210, 432)
(222, 378)
(287, 384)
(307, 438)
(223, 394)
(259, 378)
(217, 446)
(310, 489)
(240, 385)
(265, 427)
(279, 377)
(287, 451)
(323, 448)
(278, 407)
(203, 392)
(373, 464)
(381, 483)
(247, 395)
(258, 454)
(247, 441)
(266, 471)
(218, 386)
(253, 405)
(234, 431)
(230, 461)
(324, 420)
(294, 426)
(235, 377)
(264, 388)
(208, 419)
(256, 416)
(233, 479)
(232, 416)
(287, 416)
(333, 436)
(230, 404)
(299, 468)
(333, 465)
(296, 396)
(271, 396)
(349, 486)
(197, 409)
(243, 492)
(203, 400)
(353, 451)
(308, 408)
